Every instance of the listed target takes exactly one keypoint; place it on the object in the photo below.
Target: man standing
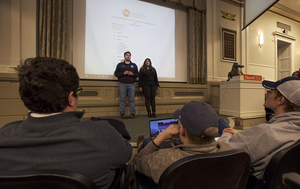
(126, 72)
(53, 136)
(197, 126)
(263, 141)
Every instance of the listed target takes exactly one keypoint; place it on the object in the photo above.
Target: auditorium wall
(260, 61)
(100, 98)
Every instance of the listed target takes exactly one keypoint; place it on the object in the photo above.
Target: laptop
(159, 125)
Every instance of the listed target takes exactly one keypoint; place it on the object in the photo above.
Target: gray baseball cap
(196, 117)
(289, 87)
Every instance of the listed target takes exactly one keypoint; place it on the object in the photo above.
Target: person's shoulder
(223, 146)
(120, 63)
(254, 132)
(97, 130)
(96, 123)
(96, 127)
(133, 63)
(11, 125)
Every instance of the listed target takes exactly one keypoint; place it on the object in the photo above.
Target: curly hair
(45, 83)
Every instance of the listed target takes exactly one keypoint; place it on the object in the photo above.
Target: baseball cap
(196, 117)
(289, 87)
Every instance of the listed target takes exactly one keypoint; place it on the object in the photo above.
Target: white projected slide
(116, 26)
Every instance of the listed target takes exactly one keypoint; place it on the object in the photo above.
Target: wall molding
(261, 65)
(276, 33)
(216, 79)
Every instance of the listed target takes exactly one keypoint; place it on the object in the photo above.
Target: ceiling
(288, 8)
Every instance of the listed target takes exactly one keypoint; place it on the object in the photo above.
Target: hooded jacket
(152, 162)
(263, 141)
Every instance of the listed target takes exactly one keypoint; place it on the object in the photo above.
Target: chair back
(291, 179)
(228, 169)
(284, 161)
(44, 179)
(116, 183)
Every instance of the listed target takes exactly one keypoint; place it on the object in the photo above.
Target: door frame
(288, 39)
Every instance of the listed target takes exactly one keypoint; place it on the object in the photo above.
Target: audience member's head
(285, 93)
(200, 121)
(295, 74)
(47, 84)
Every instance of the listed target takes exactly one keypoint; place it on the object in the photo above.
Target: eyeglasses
(79, 90)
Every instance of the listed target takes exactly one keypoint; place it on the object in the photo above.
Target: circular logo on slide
(126, 13)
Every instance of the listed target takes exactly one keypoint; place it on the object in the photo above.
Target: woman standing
(148, 84)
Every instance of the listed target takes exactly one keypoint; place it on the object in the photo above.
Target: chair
(44, 179)
(129, 179)
(116, 184)
(291, 179)
(284, 161)
(228, 169)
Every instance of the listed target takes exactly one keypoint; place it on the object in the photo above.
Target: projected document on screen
(144, 29)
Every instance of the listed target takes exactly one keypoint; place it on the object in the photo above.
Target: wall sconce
(261, 40)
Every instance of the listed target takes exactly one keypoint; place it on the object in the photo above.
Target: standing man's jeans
(125, 89)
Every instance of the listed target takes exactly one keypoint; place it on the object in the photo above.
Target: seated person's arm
(227, 134)
(171, 132)
(151, 162)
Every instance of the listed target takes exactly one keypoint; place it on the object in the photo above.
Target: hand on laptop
(169, 133)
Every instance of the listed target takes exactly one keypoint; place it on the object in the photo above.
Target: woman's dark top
(148, 77)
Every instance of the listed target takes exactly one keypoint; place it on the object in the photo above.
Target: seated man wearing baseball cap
(197, 126)
(263, 141)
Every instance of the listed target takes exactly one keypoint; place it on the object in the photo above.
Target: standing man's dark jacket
(122, 67)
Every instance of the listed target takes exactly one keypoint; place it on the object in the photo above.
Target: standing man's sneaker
(123, 116)
(131, 115)
(154, 114)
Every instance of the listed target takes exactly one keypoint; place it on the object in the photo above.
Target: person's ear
(71, 99)
(182, 131)
(281, 100)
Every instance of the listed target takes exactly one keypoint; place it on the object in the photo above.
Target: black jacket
(147, 77)
(122, 67)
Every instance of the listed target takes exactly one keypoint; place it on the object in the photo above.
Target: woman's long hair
(144, 68)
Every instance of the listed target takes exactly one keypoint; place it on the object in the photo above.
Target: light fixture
(261, 40)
